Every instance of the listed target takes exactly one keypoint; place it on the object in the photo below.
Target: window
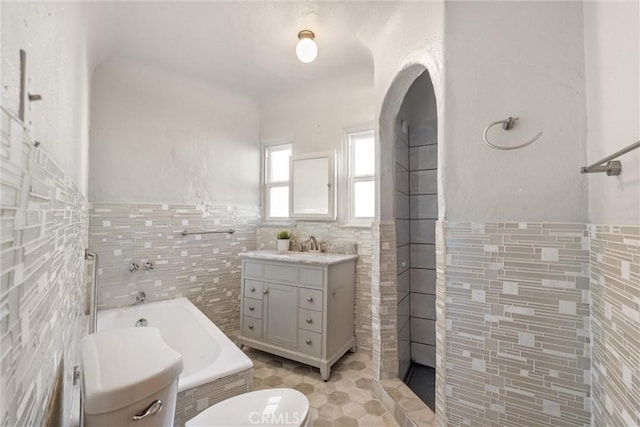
(360, 163)
(276, 180)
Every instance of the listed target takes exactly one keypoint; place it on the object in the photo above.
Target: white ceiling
(248, 47)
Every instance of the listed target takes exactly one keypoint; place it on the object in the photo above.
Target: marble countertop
(300, 257)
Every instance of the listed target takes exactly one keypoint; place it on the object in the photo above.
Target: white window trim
(265, 185)
(346, 199)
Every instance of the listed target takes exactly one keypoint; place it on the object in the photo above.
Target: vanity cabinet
(299, 306)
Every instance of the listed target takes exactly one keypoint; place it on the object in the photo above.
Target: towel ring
(507, 124)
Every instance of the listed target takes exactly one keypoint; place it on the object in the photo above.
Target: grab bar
(612, 168)
(229, 231)
(93, 307)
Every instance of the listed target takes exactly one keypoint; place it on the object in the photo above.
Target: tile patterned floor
(345, 400)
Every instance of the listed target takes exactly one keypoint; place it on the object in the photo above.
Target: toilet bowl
(271, 407)
(129, 378)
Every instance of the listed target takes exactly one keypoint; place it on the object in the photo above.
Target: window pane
(279, 165)
(364, 199)
(279, 202)
(363, 154)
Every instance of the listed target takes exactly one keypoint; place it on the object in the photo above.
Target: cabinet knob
(250, 326)
(252, 289)
(310, 299)
(251, 308)
(309, 320)
(266, 291)
(308, 342)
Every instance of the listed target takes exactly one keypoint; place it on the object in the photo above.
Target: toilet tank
(129, 378)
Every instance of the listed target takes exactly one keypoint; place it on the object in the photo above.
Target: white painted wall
(314, 116)
(54, 36)
(164, 138)
(612, 51)
(515, 59)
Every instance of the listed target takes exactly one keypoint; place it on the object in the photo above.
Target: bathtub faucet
(140, 298)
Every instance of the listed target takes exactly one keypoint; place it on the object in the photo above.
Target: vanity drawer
(310, 342)
(310, 320)
(310, 299)
(280, 272)
(253, 289)
(253, 269)
(252, 327)
(252, 308)
(312, 277)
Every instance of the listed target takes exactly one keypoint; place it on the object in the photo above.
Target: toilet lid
(272, 407)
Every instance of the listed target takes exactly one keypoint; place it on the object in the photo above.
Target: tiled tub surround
(42, 295)
(204, 268)
(615, 324)
(195, 400)
(343, 240)
(517, 325)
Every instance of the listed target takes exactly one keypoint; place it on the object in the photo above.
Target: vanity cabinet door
(280, 314)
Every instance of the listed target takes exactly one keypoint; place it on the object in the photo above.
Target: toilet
(270, 407)
(130, 379)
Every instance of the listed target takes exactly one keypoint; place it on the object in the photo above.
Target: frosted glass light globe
(306, 50)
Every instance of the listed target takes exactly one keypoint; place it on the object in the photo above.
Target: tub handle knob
(252, 289)
(251, 308)
(250, 326)
(308, 342)
(154, 408)
(310, 299)
(309, 320)
(266, 291)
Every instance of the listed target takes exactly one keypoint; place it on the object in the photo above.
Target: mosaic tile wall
(517, 325)
(203, 267)
(441, 325)
(42, 291)
(615, 324)
(384, 306)
(337, 236)
(191, 402)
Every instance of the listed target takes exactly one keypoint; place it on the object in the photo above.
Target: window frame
(349, 179)
(267, 184)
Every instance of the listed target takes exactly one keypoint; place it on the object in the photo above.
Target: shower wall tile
(404, 284)
(423, 281)
(425, 133)
(423, 182)
(423, 231)
(338, 236)
(423, 256)
(424, 354)
(202, 267)
(615, 324)
(403, 231)
(423, 331)
(423, 306)
(425, 157)
(402, 179)
(403, 210)
(43, 290)
(423, 206)
(516, 350)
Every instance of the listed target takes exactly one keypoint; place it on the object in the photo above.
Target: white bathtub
(207, 353)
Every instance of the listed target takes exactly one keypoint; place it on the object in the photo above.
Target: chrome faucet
(140, 298)
(313, 243)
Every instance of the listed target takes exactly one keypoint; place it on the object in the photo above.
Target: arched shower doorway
(408, 135)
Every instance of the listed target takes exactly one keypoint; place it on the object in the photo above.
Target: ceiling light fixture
(306, 50)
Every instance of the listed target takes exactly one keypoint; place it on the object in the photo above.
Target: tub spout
(140, 298)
